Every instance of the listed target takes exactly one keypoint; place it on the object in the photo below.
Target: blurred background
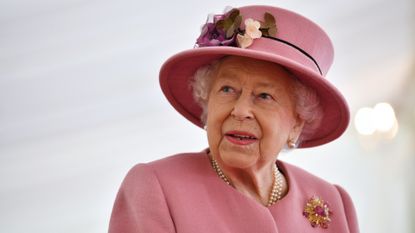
(80, 104)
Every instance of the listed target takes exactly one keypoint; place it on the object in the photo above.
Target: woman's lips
(240, 137)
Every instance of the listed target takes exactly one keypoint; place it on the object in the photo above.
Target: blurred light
(363, 121)
(384, 117)
(392, 133)
(381, 120)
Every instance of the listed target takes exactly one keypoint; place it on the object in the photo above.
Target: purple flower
(212, 36)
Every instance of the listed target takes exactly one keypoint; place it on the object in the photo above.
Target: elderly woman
(255, 82)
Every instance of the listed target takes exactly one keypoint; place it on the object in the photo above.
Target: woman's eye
(265, 96)
(226, 89)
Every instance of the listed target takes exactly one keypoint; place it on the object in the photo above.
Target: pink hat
(297, 44)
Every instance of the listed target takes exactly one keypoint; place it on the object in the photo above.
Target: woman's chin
(238, 159)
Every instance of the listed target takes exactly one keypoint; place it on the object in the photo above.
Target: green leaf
(264, 31)
(220, 24)
(226, 25)
(233, 14)
(234, 27)
(229, 21)
(269, 26)
(269, 19)
(237, 22)
(232, 23)
(230, 32)
(273, 31)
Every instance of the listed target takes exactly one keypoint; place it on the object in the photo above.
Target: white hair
(307, 102)
(201, 84)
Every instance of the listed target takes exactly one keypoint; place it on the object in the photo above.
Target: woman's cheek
(213, 132)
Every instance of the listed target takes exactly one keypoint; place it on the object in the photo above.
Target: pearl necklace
(276, 190)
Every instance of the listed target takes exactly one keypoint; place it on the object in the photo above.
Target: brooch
(317, 212)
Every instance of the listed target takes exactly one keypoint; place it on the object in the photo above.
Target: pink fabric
(183, 194)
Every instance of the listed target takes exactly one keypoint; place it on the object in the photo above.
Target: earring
(205, 127)
(291, 144)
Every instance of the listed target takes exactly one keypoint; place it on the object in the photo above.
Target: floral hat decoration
(265, 33)
(225, 30)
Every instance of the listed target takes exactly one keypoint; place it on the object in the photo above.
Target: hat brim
(178, 70)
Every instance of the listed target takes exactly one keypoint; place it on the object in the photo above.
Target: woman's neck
(255, 182)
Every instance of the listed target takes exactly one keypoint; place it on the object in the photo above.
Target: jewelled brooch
(317, 212)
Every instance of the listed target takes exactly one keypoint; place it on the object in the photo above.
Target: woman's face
(250, 112)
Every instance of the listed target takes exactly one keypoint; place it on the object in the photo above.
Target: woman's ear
(296, 129)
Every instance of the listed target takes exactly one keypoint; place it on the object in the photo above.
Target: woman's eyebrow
(269, 85)
(228, 73)
(228, 77)
(266, 84)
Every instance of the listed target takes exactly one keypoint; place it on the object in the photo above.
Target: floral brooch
(317, 212)
(224, 30)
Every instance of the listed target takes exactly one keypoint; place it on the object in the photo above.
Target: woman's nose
(242, 109)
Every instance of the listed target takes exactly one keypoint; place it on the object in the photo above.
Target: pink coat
(183, 194)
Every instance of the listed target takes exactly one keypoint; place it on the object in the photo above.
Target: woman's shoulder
(297, 171)
(178, 161)
(172, 166)
(304, 179)
(306, 184)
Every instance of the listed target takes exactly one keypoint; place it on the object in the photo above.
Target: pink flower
(244, 41)
(252, 28)
(251, 32)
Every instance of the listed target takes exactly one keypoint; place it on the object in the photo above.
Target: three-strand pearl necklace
(276, 190)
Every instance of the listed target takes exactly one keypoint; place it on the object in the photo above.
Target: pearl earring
(291, 144)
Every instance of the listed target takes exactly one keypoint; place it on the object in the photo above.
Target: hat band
(298, 48)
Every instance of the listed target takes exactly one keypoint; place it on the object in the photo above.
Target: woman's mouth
(240, 137)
